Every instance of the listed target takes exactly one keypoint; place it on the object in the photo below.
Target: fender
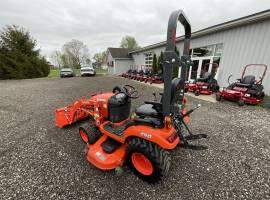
(158, 136)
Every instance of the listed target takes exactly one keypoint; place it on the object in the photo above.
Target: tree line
(75, 53)
(157, 64)
(19, 56)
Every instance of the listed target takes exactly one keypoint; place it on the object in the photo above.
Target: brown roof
(120, 53)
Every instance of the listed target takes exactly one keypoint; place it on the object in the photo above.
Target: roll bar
(171, 60)
(259, 65)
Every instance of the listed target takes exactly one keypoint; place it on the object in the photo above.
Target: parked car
(88, 71)
(67, 72)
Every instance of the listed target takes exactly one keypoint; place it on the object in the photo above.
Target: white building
(118, 60)
(232, 45)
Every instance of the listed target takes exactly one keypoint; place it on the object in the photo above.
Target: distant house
(118, 60)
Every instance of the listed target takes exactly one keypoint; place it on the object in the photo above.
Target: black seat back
(249, 79)
(175, 90)
(206, 75)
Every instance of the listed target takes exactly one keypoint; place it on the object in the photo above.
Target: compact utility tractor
(207, 84)
(144, 139)
(247, 90)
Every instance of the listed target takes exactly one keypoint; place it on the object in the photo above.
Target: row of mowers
(143, 75)
(246, 90)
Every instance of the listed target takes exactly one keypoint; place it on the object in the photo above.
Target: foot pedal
(110, 145)
(195, 137)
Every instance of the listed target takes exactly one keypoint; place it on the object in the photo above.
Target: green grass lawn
(55, 73)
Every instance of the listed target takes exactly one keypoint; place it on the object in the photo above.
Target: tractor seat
(247, 81)
(147, 110)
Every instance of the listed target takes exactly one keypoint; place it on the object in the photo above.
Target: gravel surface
(40, 161)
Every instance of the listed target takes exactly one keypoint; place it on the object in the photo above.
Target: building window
(110, 64)
(218, 50)
(210, 50)
(148, 59)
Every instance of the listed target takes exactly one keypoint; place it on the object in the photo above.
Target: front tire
(89, 134)
(241, 103)
(147, 160)
(218, 97)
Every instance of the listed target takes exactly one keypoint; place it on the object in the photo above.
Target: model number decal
(146, 135)
(100, 156)
(99, 99)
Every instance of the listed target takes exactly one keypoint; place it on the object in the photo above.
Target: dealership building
(231, 45)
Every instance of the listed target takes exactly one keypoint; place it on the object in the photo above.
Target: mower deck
(234, 95)
(102, 160)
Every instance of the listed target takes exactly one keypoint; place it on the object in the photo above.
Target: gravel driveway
(40, 161)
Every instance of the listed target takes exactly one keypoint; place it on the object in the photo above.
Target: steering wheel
(130, 91)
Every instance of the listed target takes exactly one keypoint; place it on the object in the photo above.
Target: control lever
(180, 120)
(191, 110)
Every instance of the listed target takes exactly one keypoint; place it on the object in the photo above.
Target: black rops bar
(171, 60)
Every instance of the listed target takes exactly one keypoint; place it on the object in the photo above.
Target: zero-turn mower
(247, 90)
(144, 139)
(207, 84)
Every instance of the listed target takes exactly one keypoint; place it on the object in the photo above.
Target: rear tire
(197, 93)
(159, 158)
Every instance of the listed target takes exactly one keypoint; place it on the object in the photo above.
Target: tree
(129, 42)
(19, 57)
(56, 57)
(99, 57)
(76, 53)
(160, 62)
(176, 69)
(154, 64)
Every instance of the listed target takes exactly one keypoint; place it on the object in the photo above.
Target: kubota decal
(100, 156)
(146, 135)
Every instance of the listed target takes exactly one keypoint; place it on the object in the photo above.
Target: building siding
(122, 66)
(109, 60)
(241, 46)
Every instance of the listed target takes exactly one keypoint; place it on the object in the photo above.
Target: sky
(102, 23)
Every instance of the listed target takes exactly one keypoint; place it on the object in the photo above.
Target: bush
(154, 65)
(18, 57)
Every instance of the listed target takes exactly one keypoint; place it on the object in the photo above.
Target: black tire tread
(92, 132)
(159, 157)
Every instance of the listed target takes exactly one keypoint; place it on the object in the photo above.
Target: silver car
(88, 71)
(67, 72)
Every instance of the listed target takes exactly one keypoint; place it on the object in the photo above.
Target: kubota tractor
(144, 139)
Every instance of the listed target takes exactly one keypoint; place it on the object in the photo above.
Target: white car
(88, 71)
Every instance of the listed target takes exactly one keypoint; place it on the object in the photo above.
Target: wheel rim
(84, 135)
(142, 164)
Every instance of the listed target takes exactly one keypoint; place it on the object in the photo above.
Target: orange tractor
(144, 139)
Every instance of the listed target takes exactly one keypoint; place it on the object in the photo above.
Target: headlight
(247, 95)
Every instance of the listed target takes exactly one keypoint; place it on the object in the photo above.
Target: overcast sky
(102, 23)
